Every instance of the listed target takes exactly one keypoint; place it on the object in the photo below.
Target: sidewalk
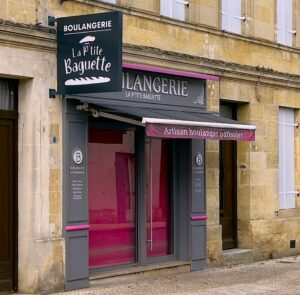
(278, 276)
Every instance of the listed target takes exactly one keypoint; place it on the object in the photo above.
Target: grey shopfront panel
(76, 208)
(77, 174)
(198, 206)
(198, 176)
(76, 261)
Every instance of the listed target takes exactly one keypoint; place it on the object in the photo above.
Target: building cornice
(34, 37)
(229, 70)
(27, 36)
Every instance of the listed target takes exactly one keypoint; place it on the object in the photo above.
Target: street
(278, 276)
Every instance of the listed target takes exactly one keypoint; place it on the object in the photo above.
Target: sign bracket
(52, 93)
(51, 21)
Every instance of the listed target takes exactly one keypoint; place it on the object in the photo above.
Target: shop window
(173, 8)
(287, 192)
(231, 16)
(285, 30)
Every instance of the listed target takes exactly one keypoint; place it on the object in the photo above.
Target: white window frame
(285, 30)
(174, 8)
(110, 1)
(231, 16)
(286, 151)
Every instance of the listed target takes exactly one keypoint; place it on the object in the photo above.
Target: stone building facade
(251, 205)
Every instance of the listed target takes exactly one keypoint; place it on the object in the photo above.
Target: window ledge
(288, 213)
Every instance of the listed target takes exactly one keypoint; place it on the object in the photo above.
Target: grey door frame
(174, 208)
(141, 204)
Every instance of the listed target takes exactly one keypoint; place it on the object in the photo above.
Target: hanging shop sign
(89, 53)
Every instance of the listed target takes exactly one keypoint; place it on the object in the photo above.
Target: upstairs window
(287, 191)
(285, 30)
(231, 16)
(173, 8)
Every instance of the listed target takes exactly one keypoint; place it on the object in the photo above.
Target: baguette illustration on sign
(86, 81)
(98, 63)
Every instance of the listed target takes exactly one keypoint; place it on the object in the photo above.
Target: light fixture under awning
(169, 123)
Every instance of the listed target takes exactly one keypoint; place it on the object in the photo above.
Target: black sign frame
(89, 53)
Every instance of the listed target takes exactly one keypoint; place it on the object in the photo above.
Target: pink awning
(170, 128)
(197, 132)
(170, 123)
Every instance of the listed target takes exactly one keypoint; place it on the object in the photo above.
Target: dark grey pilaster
(198, 205)
(75, 198)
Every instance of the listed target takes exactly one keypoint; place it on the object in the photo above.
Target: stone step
(139, 272)
(237, 256)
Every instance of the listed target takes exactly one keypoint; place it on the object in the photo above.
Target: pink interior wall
(111, 200)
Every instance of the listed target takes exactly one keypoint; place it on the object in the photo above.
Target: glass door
(159, 202)
(112, 198)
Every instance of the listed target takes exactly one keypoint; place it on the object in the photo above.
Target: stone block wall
(22, 11)
(261, 226)
(272, 228)
(214, 229)
(205, 12)
(175, 35)
(150, 5)
(264, 19)
(40, 242)
(296, 21)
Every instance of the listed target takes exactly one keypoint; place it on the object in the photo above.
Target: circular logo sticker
(198, 159)
(77, 156)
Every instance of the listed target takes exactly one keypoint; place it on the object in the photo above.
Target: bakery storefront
(135, 171)
(134, 159)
